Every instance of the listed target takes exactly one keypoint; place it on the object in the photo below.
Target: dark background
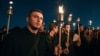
(85, 9)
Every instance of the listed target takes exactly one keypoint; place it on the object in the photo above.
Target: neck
(52, 33)
(67, 32)
(35, 31)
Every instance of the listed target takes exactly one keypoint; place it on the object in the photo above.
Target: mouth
(38, 24)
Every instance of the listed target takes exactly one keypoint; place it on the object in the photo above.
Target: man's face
(35, 20)
(67, 27)
(56, 29)
(81, 28)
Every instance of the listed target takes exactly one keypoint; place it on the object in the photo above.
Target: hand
(76, 37)
(66, 51)
(67, 44)
(79, 42)
(58, 50)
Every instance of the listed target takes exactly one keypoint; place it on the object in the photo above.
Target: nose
(39, 19)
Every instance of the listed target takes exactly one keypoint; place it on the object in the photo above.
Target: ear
(27, 19)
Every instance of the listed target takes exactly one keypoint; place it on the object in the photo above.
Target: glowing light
(61, 9)
(98, 28)
(70, 17)
(54, 21)
(10, 2)
(74, 24)
(61, 13)
(10, 7)
(90, 22)
(78, 19)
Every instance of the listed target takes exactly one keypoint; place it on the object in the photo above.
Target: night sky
(85, 9)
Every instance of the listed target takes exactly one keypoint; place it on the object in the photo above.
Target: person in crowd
(3, 33)
(83, 49)
(52, 38)
(27, 41)
(68, 41)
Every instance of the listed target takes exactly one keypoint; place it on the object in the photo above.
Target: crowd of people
(35, 40)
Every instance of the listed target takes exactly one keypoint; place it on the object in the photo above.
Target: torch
(60, 19)
(74, 24)
(93, 28)
(89, 23)
(69, 20)
(9, 14)
(78, 21)
(97, 31)
(54, 21)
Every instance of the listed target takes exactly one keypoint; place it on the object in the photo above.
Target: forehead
(37, 13)
(82, 26)
(56, 26)
(67, 25)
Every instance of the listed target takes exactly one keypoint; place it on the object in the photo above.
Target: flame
(61, 10)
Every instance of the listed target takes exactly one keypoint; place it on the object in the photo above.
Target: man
(81, 50)
(67, 45)
(51, 38)
(69, 40)
(28, 41)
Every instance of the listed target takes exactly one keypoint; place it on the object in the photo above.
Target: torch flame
(61, 9)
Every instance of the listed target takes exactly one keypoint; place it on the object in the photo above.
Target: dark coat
(23, 43)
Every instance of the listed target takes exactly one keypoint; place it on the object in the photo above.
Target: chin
(38, 27)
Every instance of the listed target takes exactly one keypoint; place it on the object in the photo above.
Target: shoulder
(14, 35)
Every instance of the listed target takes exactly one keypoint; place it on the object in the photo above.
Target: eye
(35, 16)
(41, 18)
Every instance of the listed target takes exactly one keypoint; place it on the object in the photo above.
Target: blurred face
(81, 28)
(56, 29)
(90, 31)
(35, 20)
(67, 27)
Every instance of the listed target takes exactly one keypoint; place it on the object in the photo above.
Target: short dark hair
(80, 24)
(34, 10)
(52, 25)
(65, 25)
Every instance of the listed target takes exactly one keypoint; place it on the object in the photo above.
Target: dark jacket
(24, 43)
